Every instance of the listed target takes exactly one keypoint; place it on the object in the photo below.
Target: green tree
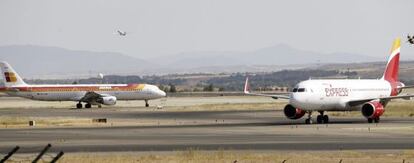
(209, 88)
(172, 88)
(161, 87)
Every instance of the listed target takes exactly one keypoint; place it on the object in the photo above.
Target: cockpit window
(301, 89)
(295, 90)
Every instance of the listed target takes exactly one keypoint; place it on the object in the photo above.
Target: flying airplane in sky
(370, 96)
(91, 94)
(121, 33)
(410, 39)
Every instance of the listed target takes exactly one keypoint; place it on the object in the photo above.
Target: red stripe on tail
(393, 66)
(391, 71)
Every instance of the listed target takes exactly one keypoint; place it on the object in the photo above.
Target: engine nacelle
(372, 109)
(107, 100)
(292, 112)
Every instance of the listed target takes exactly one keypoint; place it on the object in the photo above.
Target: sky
(162, 28)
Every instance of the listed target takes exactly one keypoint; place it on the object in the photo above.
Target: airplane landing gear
(79, 105)
(146, 103)
(322, 118)
(309, 119)
(88, 105)
(375, 120)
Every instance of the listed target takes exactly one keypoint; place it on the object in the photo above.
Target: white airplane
(410, 39)
(91, 94)
(370, 96)
(121, 33)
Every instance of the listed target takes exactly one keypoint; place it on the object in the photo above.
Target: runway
(207, 130)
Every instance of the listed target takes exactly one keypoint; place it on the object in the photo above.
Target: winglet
(247, 86)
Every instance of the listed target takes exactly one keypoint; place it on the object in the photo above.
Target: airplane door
(30, 93)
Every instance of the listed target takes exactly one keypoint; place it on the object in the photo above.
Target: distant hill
(37, 61)
(52, 62)
(276, 55)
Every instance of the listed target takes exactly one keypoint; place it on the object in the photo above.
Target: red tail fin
(246, 86)
(393, 65)
(391, 71)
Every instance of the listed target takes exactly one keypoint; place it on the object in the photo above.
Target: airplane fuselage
(334, 95)
(76, 92)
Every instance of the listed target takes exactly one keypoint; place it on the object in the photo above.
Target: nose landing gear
(146, 103)
(309, 119)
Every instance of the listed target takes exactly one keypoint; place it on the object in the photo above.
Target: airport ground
(202, 129)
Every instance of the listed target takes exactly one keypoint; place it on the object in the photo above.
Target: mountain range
(276, 55)
(32, 61)
(53, 62)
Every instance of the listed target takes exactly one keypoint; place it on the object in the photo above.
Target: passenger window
(301, 90)
(295, 90)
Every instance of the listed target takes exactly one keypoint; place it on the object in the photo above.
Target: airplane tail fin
(247, 86)
(10, 77)
(392, 68)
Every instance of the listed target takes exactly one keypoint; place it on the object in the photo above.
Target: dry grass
(396, 108)
(228, 107)
(223, 156)
(13, 122)
(400, 109)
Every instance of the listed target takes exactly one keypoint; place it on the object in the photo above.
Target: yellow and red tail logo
(391, 71)
(10, 77)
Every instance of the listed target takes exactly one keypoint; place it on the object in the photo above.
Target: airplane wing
(247, 92)
(90, 97)
(361, 101)
(406, 87)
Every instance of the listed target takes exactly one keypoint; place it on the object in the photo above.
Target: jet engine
(107, 100)
(292, 112)
(372, 109)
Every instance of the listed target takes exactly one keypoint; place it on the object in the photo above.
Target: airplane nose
(162, 93)
(294, 100)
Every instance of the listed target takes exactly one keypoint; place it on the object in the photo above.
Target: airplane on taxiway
(90, 94)
(370, 96)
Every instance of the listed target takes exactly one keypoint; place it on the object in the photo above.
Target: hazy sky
(165, 27)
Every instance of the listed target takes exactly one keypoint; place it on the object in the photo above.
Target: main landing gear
(322, 118)
(319, 119)
(375, 120)
(79, 105)
(146, 103)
